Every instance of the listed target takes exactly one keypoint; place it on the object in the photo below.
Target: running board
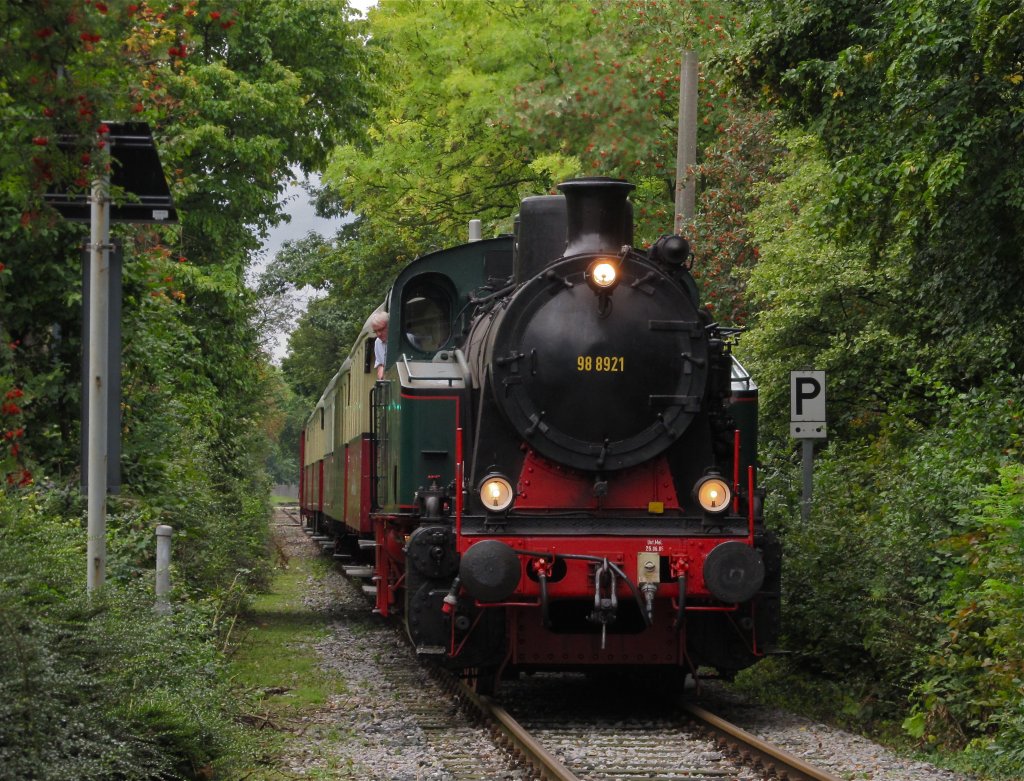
(431, 650)
(354, 571)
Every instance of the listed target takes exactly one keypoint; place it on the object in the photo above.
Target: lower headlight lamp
(496, 493)
(713, 494)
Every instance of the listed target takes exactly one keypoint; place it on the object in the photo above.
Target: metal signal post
(130, 165)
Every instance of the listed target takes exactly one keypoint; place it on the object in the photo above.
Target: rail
(751, 750)
(517, 738)
(781, 764)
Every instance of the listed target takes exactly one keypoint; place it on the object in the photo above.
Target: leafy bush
(972, 692)
(99, 687)
(889, 588)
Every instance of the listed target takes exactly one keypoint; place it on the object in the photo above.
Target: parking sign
(807, 405)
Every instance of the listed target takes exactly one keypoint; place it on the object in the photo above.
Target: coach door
(380, 396)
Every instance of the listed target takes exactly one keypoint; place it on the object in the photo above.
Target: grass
(275, 664)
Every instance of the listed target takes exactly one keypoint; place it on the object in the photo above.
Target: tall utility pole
(686, 141)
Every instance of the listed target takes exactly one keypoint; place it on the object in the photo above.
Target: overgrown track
(415, 716)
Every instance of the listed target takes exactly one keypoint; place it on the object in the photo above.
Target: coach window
(368, 355)
(427, 313)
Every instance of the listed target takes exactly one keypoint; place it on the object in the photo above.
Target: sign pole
(130, 164)
(808, 468)
(99, 269)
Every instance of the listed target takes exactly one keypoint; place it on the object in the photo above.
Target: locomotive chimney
(600, 219)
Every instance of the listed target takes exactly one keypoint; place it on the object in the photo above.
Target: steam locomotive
(558, 470)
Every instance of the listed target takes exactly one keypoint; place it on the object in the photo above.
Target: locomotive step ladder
(431, 650)
(357, 571)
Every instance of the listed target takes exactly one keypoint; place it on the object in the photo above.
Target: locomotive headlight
(713, 494)
(496, 493)
(603, 274)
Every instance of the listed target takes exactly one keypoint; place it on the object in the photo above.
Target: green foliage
(99, 687)
(866, 578)
(734, 169)
(436, 157)
(917, 105)
(890, 257)
(283, 429)
(822, 303)
(481, 104)
(972, 682)
(238, 95)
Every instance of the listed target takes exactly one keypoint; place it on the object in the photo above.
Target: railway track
(573, 744)
(562, 727)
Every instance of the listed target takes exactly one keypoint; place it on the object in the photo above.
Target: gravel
(844, 754)
(393, 722)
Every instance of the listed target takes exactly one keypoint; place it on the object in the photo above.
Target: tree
(237, 97)
(820, 302)
(484, 103)
(438, 154)
(238, 93)
(938, 183)
(890, 256)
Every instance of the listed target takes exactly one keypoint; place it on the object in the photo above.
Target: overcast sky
(303, 221)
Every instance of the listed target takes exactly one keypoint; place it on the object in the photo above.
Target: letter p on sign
(807, 405)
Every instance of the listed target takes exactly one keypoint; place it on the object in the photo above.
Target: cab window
(426, 314)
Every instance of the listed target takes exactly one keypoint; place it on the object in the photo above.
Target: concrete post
(475, 230)
(99, 249)
(686, 141)
(163, 568)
